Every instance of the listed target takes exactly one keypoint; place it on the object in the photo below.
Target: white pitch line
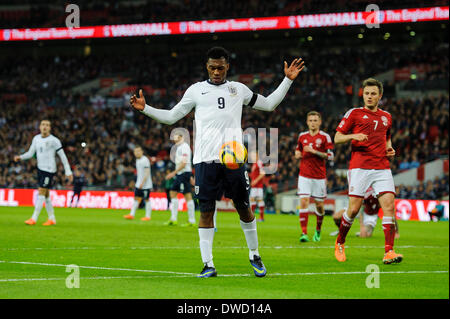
(96, 267)
(235, 275)
(226, 247)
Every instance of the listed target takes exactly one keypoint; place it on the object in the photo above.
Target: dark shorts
(77, 190)
(182, 183)
(45, 179)
(143, 193)
(212, 180)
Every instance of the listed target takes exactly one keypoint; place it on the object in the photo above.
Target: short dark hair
(217, 53)
(373, 82)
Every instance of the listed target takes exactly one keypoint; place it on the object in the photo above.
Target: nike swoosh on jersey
(203, 93)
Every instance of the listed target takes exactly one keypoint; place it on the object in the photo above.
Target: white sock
(191, 211)
(214, 217)
(347, 218)
(38, 207)
(148, 209)
(134, 207)
(206, 241)
(49, 208)
(251, 236)
(174, 215)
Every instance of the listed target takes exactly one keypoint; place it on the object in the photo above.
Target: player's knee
(241, 204)
(207, 206)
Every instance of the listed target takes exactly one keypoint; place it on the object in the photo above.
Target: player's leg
(337, 217)
(138, 196)
(260, 200)
(206, 235)
(354, 204)
(37, 207)
(190, 210)
(148, 206)
(384, 188)
(71, 200)
(359, 180)
(237, 184)
(174, 210)
(207, 186)
(304, 191)
(78, 194)
(387, 203)
(50, 210)
(43, 182)
(319, 193)
(303, 215)
(215, 218)
(320, 213)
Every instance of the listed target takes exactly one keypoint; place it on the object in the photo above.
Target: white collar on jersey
(217, 84)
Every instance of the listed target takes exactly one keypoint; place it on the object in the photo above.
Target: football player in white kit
(45, 146)
(182, 182)
(143, 185)
(218, 107)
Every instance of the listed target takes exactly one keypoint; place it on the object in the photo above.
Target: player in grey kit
(45, 146)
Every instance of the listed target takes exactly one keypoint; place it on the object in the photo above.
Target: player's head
(138, 152)
(372, 92)
(45, 127)
(178, 137)
(217, 64)
(313, 120)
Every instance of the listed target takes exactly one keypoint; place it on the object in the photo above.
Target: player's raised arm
(27, 155)
(164, 116)
(270, 102)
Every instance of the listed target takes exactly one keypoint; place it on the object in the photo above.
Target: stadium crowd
(29, 13)
(110, 131)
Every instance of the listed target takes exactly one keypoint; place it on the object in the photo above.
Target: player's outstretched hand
(138, 103)
(294, 69)
(16, 158)
(70, 179)
(390, 152)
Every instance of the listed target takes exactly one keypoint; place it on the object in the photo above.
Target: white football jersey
(183, 153)
(218, 113)
(45, 149)
(141, 165)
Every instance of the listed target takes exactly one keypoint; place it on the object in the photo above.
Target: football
(233, 155)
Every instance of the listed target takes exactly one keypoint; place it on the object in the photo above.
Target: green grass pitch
(118, 258)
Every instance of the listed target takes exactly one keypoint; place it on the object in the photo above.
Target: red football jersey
(255, 172)
(371, 204)
(370, 154)
(312, 166)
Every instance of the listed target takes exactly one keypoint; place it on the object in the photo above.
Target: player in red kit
(368, 128)
(256, 191)
(314, 148)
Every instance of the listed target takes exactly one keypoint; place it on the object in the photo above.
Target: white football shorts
(311, 187)
(359, 180)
